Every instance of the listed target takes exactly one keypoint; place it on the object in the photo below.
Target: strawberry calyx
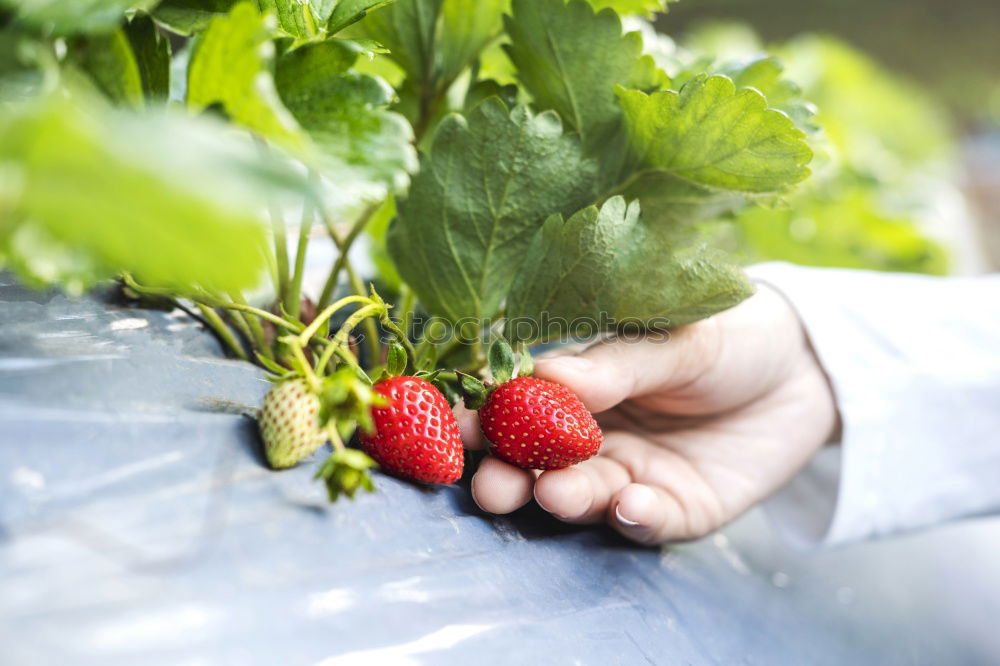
(346, 472)
(504, 365)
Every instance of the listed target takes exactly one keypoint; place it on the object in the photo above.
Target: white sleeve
(915, 365)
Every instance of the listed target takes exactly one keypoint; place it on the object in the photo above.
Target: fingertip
(468, 426)
(499, 487)
(565, 493)
(634, 513)
(636, 505)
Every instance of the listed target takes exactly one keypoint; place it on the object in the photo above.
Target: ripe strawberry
(536, 424)
(289, 423)
(416, 436)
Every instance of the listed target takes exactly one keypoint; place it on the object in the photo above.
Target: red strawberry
(537, 424)
(416, 436)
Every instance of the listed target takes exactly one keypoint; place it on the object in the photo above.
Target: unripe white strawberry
(289, 423)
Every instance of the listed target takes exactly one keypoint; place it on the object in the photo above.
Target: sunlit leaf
(175, 200)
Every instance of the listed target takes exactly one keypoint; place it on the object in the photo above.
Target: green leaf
(671, 201)
(344, 113)
(481, 194)
(294, 18)
(714, 135)
(64, 17)
(484, 89)
(41, 260)
(604, 269)
(570, 60)
(407, 28)
(152, 55)
(27, 67)
(767, 76)
(187, 17)
(230, 65)
(111, 63)
(467, 26)
(157, 195)
(639, 7)
(339, 14)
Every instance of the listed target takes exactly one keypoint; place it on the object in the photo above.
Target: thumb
(627, 367)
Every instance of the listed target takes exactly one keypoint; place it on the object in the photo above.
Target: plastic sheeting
(138, 524)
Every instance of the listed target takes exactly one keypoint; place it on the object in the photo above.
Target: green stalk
(238, 322)
(295, 327)
(358, 316)
(403, 339)
(344, 355)
(335, 440)
(215, 322)
(344, 247)
(405, 312)
(296, 348)
(293, 299)
(280, 251)
(477, 350)
(336, 345)
(256, 330)
(371, 330)
(307, 333)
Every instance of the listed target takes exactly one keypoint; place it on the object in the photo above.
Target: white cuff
(915, 366)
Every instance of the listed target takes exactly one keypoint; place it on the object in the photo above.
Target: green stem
(238, 322)
(338, 344)
(344, 247)
(477, 350)
(280, 251)
(371, 330)
(335, 440)
(155, 291)
(256, 330)
(306, 334)
(359, 315)
(344, 355)
(293, 299)
(403, 339)
(215, 322)
(293, 326)
(296, 348)
(405, 311)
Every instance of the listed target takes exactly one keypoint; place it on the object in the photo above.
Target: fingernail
(622, 519)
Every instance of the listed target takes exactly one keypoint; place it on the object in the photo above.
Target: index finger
(612, 371)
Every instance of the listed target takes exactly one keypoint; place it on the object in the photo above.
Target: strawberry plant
(522, 167)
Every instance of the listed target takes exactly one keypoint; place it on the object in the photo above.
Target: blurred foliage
(98, 176)
(948, 48)
(884, 149)
(87, 191)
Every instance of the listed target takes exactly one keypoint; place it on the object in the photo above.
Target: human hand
(697, 428)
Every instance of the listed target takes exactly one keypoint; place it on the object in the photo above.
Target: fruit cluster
(529, 422)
